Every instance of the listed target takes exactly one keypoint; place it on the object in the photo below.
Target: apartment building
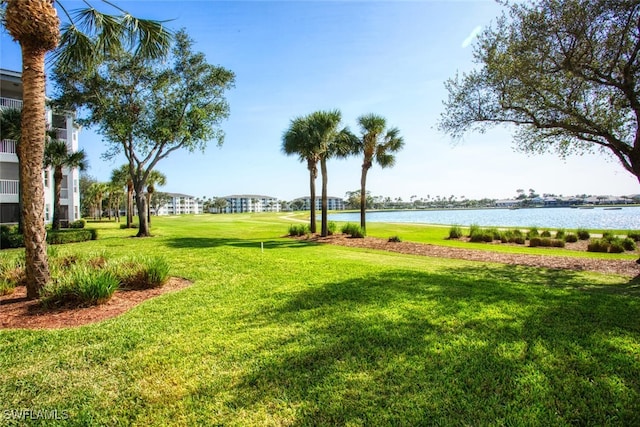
(180, 204)
(238, 203)
(66, 129)
(333, 203)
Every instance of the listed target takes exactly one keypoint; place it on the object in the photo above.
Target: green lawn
(306, 334)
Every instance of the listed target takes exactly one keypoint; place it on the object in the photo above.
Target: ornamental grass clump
(12, 274)
(297, 230)
(142, 273)
(629, 244)
(583, 234)
(598, 245)
(81, 286)
(571, 238)
(634, 235)
(352, 230)
(455, 232)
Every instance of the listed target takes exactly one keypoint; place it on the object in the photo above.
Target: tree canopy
(148, 109)
(564, 71)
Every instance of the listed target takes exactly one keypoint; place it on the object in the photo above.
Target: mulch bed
(621, 267)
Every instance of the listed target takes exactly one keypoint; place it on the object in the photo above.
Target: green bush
(608, 236)
(583, 234)
(598, 245)
(533, 232)
(78, 224)
(629, 244)
(12, 274)
(395, 239)
(80, 287)
(141, 273)
(59, 237)
(561, 233)
(473, 229)
(124, 226)
(616, 247)
(545, 233)
(455, 232)
(298, 230)
(353, 230)
(11, 240)
(331, 228)
(481, 235)
(545, 242)
(535, 242)
(519, 240)
(634, 235)
(557, 243)
(571, 238)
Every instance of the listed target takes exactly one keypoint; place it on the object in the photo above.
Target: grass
(305, 334)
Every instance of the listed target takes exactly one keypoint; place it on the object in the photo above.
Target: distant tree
(154, 178)
(297, 205)
(566, 72)
(220, 204)
(158, 200)
(148, 109)
(353, 199)
(58, 156)
(85, 183)
(122, 177)
(116, 194)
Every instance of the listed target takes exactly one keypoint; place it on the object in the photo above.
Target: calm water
(627, 218)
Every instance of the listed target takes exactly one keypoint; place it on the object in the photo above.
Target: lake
(626, 218)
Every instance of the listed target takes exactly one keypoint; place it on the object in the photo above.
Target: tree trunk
(148, 207)
(323, 169)
(312, 196)
(31, 149)
(363, 198)
(129, 205)
(57, 185)
(141, 204)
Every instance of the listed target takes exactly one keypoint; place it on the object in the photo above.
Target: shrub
(616, 247)
(561, 234)
(81, 286)
(124, 226)
(12, 274)
(519, 240)
(545, 233)
(455, 232)
(571, 238)
(557, 243)
(495, 233)
(395, 239)
(298, 230)
(533, 232)
(78, 224)
(583, 234)
(473, 228)
(608, 236)
(481, 235)
(634, 235)
(331, 228)
(545, 242)
(352, 230)
(143, 273)
(535, 242)
(629, 244)
(598, 245)
(11, 240)
(59, 237)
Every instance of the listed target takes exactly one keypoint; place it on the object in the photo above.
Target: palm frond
(75, 51)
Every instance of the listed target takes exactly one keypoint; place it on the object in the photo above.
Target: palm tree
(154, 178)
(57, 156)
(36, 26)
(122, 177)
(378, 144)
(297, 140)
(331, 141)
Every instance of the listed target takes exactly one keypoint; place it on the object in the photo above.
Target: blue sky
(390, 58)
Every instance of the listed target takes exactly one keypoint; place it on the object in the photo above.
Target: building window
(75, 185)
(46, 178)
(75, 212)
(47, 208)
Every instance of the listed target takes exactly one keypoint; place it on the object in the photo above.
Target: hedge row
(10, 239)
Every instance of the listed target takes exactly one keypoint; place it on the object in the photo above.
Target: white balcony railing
(8, 186)
(10, 103)
(8, 146)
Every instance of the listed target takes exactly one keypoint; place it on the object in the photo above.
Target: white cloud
(471, 36)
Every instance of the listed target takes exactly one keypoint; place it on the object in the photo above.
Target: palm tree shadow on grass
(408, 348)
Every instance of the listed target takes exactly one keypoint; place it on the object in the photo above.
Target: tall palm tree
(297, 140)
(35, 25)
(122, 177)
(331, 141)
(57, 156)
(378, 144)
(154, 178)
(10, 128)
